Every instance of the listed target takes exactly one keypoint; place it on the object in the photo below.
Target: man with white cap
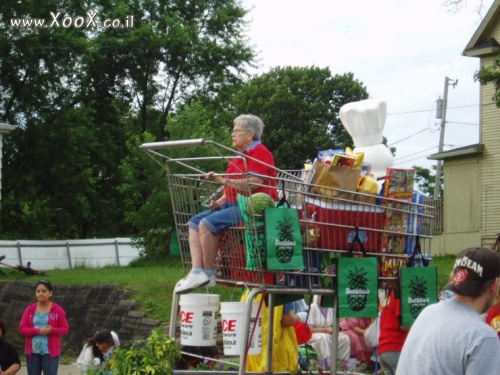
(451, 337)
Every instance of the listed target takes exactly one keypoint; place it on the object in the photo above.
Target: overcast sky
(401, 50)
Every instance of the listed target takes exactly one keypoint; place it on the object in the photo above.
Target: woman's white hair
(251, 123)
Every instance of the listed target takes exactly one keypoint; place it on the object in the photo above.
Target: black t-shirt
(8, 355)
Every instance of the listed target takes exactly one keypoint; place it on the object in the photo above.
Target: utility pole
(444, 106)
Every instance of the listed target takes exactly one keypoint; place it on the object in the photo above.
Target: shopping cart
(332, 222)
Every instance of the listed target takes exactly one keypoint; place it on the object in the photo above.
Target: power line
(462, 123)
(416, 153)
(430, 110)
(407, 161)
(421, 131)
(403, 139)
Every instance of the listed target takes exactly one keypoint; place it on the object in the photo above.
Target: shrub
(154, 356)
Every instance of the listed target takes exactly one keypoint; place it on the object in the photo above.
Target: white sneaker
(191, 282)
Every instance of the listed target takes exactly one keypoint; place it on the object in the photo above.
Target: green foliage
(491, 74)
(83, 98)
(156, 244)
(300, 106)
(155, 356)
(146, 199)
(426, 181)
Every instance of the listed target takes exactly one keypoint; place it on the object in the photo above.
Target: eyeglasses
(239, 131)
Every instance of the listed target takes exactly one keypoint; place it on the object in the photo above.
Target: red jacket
(493, 318)
(58, 322)
(392, 337)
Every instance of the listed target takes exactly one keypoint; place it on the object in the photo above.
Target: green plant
(155, 245)
(155, 356)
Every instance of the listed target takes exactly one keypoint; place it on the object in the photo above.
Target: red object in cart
(337, 224)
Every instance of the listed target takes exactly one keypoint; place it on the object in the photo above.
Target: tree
(456, 6)
(491, 74)
(81, 97)
(177, 49)
(300, 107)
(426, 181)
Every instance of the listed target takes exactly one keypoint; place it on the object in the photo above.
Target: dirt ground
(71, 369)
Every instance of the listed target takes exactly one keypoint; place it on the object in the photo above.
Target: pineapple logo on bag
(285, 243)
(357, 291)
(417, 299)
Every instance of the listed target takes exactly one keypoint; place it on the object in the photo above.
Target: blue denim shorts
(219, 220)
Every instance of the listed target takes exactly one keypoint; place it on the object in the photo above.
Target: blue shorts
(219, 220)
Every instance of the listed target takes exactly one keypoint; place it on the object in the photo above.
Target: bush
(155, 246)
(154, 356)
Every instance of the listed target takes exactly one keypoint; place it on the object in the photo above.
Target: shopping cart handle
(173, 144)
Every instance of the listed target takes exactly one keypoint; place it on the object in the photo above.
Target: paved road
(63, 370)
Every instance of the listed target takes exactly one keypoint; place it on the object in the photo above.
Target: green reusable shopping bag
(329, 268)
(357, 287)
(283, 238)
(356, 281)
(255, 245)
(418, 290)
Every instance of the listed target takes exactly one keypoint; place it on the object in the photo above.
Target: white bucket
(233, 316)
(199, 315)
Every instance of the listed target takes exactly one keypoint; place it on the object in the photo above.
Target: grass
(151, 283)
(444, 266)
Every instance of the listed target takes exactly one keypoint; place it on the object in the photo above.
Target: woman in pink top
(355, 329)
(43, 323)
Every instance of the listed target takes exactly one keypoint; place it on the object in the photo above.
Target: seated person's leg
(344, 347)
(203, 241)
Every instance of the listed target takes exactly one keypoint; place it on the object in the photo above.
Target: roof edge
(470, 150)
(495, 7)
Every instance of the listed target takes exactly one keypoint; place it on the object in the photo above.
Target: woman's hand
(328, 330)
(216, 177)
(215, 205)
(47, 330)
(360, 331)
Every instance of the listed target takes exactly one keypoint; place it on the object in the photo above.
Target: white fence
(49, 255)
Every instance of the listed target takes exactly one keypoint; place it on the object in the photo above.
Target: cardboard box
(343, 160)
(389, 266)
(337, 224)
(399, 183)
(395, 225)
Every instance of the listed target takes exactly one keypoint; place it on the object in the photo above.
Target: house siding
(462, 217)
(463, 202)
(490, 165)
(465, 226)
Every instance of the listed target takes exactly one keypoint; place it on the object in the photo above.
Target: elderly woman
(241, 175)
